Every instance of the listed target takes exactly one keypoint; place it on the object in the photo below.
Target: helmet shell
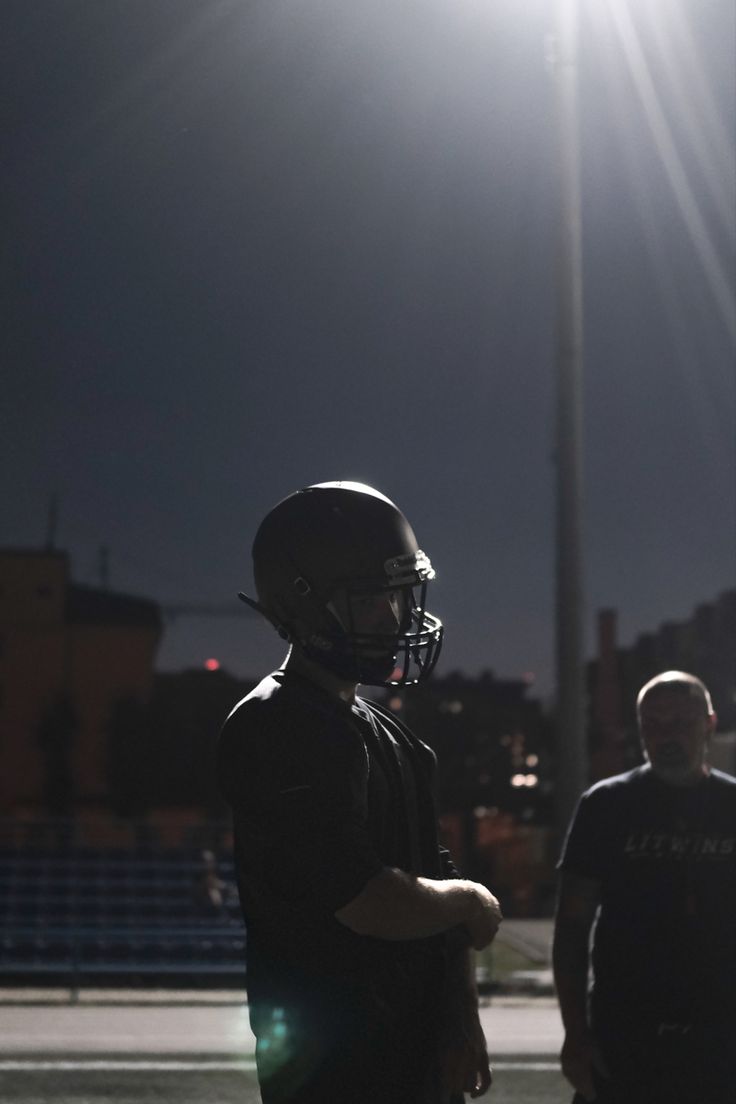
(330, 535)
(326, 538)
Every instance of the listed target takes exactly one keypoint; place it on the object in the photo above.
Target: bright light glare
(672, 162)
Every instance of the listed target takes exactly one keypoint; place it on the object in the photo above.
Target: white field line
(105, 1064)
(29, 1065)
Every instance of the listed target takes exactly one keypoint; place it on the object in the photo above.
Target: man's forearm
(570, 965)
(396, 905)
(461, 965)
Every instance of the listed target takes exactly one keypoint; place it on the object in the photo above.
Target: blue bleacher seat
(110, 911)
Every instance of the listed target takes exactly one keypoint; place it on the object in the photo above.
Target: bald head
(676, 682)
(676, 719)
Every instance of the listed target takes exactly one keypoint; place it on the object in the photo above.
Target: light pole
(570, 717)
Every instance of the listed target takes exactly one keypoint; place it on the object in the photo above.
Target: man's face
(674, 732)
(374, 619)
(375, 613)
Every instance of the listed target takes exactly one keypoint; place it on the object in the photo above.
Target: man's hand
(464, 1065)
(485, 920)
(578, 1058)
(397, 905)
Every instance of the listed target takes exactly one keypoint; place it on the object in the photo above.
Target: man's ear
(712, 722)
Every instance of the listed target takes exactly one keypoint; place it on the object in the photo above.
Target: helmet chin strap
(346, 666)
(280, 629)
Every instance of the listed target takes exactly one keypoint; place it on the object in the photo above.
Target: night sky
(254, 245)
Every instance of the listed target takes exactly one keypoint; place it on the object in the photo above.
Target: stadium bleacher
(143, 914)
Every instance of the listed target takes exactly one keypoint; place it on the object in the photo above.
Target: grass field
(39, 1080)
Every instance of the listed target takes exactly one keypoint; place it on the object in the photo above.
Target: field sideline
(200, 1051)
(42, 1080)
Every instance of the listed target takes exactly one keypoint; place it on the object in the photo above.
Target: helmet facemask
(379, 636)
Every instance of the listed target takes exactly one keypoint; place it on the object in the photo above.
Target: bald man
(650, 856)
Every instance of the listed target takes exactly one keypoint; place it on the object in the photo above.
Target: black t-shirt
(665, 856)
(324, 795)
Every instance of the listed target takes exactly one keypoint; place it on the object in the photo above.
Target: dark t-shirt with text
(665, 856)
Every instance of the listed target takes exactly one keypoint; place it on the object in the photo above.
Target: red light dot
(212, 664)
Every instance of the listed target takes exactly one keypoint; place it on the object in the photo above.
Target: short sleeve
(587, 843)
(300, 809)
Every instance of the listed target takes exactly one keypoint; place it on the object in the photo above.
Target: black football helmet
(339, 572)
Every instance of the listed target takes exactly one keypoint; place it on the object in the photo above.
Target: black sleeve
(300, 810)
(587, 843)
(426, 759)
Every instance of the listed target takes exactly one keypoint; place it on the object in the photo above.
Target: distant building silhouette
(704, 645)
(495, 779)
(484, 730)
(68, 654)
